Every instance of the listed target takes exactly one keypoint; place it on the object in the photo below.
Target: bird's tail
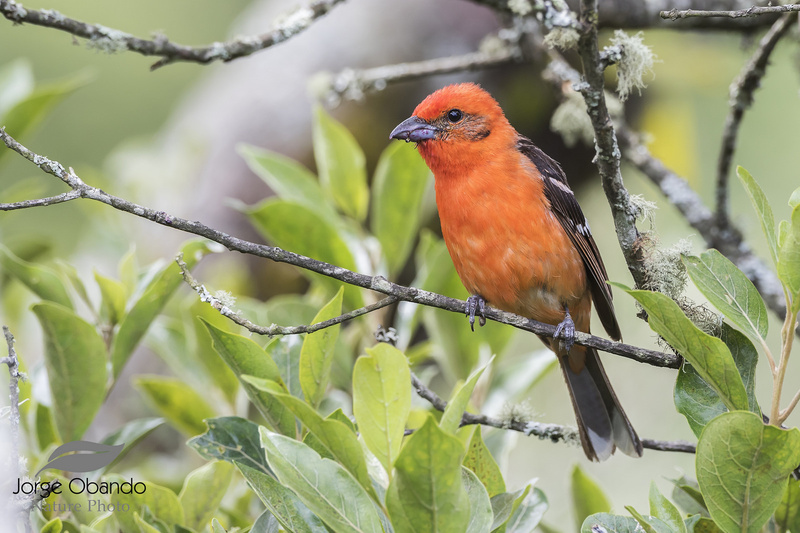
(602, 423)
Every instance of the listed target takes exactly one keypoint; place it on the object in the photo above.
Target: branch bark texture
(113, 40)
(375, 283)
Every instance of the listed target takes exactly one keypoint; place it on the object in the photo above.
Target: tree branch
(375, 283)
(553, 432)
(730, 243)
(112, 40)
(24, 504)
(754, 11)
(273, 330)
(607, 150)
(636, 14)
(741, 98)
(681, 195)
(352, 84)
(41, 202)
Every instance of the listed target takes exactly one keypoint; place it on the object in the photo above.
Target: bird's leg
(566, 331)
(476, 303)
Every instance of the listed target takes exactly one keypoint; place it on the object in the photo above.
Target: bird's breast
(508, 246)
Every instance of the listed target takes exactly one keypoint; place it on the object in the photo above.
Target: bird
(520, 242)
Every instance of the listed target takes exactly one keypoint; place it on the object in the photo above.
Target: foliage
(392, 466)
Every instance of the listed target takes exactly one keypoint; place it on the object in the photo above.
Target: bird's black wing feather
(569, 214)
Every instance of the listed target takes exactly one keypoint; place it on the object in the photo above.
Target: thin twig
(607, 156)
(112, 40)
(375, 283)
(741, 98)
(553, 432)
(41, 202)
(274, 329)
(23, 505)
(352, 84)
(13, 389)
(675, 14)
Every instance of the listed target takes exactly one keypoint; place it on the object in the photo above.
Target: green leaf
(316, 356)
(480, 508)
(203, 490)
(53, 526)
(267, 523)
(794, 199)
(217, 373)
(729, 290)
(152, 300)
(587, 496)
(130, 435)
(789, 258)
(301, 229)
(710, 357)
(427, 493)
(216, 527)
(401, 180)
(114, 296)
(161, 502)
(105, 523)
(650, 524)
(504, 505)
(325, 487)
(41, 280)
(697, 400)
(71, 273)
(289, 179)
(177, 402)
(528, 512)
(451, 418)
(610, 524)
(245, 357)
(480, 460)
(341, 165)
(664, 510)
(382, 400)
(742, 467)
(762, 207)
(337, 439)
(284, 505)
(45, 427)
(146, 527)
(686, 495)
(27, 113)
(232, 439)
(75, 356)
(787, 515)
(285, 351)
(699, 524)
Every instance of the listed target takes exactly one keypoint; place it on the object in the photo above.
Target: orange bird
(520, 242)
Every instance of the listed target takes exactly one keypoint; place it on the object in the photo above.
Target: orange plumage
(519, 241)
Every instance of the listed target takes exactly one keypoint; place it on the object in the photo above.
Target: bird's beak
(414, 129)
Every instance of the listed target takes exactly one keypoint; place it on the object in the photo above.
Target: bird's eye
(454, 115)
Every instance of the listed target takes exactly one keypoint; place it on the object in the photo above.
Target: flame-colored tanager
(520, 242)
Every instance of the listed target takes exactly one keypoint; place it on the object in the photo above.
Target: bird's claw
(565, 331)
(476, 303)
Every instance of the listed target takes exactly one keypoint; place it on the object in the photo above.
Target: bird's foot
(476, 303)
(565, 331)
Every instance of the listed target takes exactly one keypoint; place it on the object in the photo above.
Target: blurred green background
(166, 139)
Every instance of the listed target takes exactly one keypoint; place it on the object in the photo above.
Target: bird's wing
(569, 214)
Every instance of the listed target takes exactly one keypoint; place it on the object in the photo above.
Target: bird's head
(457, 119)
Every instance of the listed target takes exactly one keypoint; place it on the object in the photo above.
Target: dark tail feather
(602, 423)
